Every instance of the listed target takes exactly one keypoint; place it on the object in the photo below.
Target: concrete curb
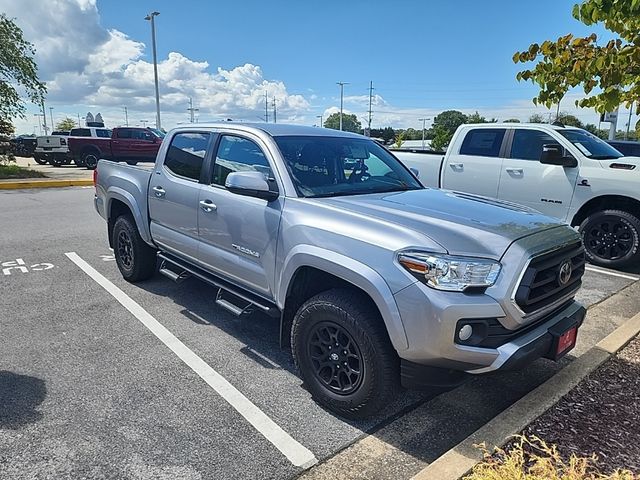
(45, 183)
(463, 457)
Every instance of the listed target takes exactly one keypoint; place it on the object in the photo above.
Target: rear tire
(40, 160)
(344, 355)
(90, 160)
(136, 260)
(611, 238)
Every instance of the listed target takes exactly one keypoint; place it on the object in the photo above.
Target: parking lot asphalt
(88, 391)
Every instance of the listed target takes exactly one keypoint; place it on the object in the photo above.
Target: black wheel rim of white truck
(336, 358)
(609, 238)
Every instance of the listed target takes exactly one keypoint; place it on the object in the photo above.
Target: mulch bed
(601, 415)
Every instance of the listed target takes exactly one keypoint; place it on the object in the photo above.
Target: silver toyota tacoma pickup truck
(377, 281)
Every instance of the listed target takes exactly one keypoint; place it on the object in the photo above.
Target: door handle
(457, 166)
(159, 192)
(208, 206)
(515, 171)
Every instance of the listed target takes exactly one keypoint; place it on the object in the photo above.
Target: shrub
(532, 459)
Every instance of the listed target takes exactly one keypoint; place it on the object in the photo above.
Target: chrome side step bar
(238, 294)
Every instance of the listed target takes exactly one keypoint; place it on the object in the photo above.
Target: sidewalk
(64, 176)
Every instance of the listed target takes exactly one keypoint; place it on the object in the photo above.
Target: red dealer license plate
(566, 341)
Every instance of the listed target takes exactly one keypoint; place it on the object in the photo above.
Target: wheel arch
(120, 203)
(606, 202)
(310, 270)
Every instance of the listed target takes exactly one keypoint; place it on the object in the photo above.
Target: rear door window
(186, 154)
(103, 133)
(124, 133)
(483, 142)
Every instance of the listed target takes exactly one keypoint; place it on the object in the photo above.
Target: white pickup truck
(563, 172)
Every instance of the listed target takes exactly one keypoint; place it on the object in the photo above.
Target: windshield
(159, 133)
(335, 166)
(590, 145)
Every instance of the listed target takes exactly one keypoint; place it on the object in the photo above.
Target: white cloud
(104, 70)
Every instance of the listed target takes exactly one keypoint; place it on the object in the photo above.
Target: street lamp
(342, 84)
(144, 123)
(151, 18)
(423, 120)
(320, 117)
(39, 122)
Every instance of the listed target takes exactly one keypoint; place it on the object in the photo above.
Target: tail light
(95, 177)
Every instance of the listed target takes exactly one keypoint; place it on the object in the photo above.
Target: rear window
(80, 132)
(186, 154)
(483, 142)
(103, 133)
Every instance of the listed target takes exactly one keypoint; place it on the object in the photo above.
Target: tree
(568, 119)
(6, 131)
(350, 122)
(441, 138)
(450, 120)
(66, 124)
(17, 69)
(399, 139)
(444, 125)
(512, 120)
(537, 118)
(613, 67)
(477, 118)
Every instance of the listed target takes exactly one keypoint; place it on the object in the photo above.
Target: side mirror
(554, 154)
(415, 171)
(250, 184)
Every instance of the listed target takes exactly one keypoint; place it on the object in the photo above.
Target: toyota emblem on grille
(564, 274)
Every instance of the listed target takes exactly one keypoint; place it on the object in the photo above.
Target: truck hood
(461, 223)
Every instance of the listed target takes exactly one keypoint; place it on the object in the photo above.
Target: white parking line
(297, 454)
(613, 274)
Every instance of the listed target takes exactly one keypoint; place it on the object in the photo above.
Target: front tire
(343, 353)
(611, 238)
(136, 260)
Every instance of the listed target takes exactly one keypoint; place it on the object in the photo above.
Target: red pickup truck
(130, 144)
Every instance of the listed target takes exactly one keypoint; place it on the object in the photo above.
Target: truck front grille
(548, 278)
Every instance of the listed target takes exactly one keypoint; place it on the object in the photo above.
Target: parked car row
(86, 145)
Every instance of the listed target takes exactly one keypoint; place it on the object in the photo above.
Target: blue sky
(422, 56)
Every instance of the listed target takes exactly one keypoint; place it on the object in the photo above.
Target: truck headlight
(446, 272)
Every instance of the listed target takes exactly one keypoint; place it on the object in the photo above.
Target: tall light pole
(626, 133)
(126, 116)
(423, 120)
(342, 84)
(151, 18)
(192, 110)
(39, 122)
(320, 117)
(51, 116)
(79, 120)
(44, 119)
(144, 123)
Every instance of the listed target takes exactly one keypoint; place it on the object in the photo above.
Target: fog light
(465, 332)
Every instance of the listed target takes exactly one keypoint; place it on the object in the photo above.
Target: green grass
(14, 171)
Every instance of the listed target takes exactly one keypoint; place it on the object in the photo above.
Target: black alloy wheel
(336, 358)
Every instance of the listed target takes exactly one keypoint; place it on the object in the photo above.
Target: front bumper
(539, 342)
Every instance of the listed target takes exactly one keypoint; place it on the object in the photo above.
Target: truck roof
(543, 126)
(273, 129)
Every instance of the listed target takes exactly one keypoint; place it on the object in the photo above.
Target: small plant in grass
(532, 459)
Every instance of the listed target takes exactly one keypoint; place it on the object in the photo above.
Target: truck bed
(427, 164)
(128, 184)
